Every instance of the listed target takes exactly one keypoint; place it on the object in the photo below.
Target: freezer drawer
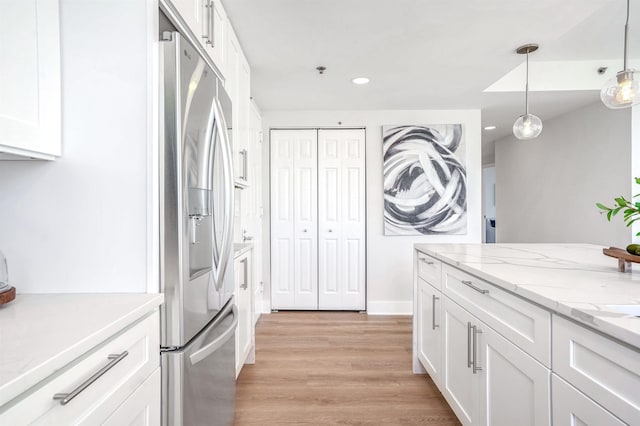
(199, 379)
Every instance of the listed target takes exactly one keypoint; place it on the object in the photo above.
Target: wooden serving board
(7, 296)
(623, 257)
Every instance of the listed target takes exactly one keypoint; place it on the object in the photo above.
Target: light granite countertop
(575, 280)
(41, 333)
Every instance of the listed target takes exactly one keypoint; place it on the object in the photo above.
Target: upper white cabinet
(30, 106)
(238, 85)
(208, 22)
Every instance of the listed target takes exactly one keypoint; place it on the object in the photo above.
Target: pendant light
(622, 90)
(527, 126)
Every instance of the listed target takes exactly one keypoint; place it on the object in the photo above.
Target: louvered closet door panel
(341, 219)
(306, 219)
(293, 219)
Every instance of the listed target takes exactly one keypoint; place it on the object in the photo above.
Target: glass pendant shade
(622, 91)
(527, 126)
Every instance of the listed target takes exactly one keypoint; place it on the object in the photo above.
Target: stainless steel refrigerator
(199, 317)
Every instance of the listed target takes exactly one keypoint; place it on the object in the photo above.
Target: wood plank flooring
(335, 368)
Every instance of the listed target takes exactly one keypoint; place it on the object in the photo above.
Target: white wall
(81, 223)
(546, 188)
(389, 259)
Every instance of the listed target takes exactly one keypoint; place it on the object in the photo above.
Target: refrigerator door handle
(207, 350)
(227, 241)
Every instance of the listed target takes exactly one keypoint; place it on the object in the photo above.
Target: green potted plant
(631, 212)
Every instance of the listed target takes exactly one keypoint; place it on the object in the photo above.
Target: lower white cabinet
(117, 378)
(429, 329)
(516, 388)
(485, 378)
(460, 385)
(245, 335)
(142, 408)
(573, 408)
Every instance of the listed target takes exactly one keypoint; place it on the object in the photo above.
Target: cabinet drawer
(429, 269)
(603, 369)
(571, 407)
(99, 399)
(524, 324)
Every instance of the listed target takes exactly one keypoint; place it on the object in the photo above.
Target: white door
(516, 387)
(341, 219)
(460, 386)
(294, 243)
(429, 329)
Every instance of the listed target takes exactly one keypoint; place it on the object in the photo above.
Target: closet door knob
(304, 230)
(330, 230)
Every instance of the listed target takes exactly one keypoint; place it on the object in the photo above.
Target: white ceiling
(422, 54)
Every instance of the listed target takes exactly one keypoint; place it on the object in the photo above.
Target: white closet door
(294, 243)
(341, 219)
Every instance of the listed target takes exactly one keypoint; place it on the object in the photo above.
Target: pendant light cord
(526, 90)
(626, 37)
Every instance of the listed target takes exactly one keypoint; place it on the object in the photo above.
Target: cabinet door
(429, 330)
(460, 387)
(142, 408)
(294, 255)
(244, 339)
(218, 30)
(572, 408)
(341, 219)
(30, 106)
(191, 12)
(516, 387)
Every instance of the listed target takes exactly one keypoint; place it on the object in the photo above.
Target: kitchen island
(499, 326)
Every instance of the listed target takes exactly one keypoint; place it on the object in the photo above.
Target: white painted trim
(397, 307)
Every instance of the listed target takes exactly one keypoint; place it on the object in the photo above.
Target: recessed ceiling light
(490, 128)
(360, 80)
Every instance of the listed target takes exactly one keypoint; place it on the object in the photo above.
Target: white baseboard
(390, 308)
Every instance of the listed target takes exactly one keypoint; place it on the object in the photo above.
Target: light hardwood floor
(334, 368)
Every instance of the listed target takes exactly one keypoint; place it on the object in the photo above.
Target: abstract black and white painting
(425, 180)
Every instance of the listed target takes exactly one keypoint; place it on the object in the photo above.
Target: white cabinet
(460, 385)
(245, 336)
(90, 389)
(318, 219)
(572, 408)
(604, 370)
(30, 85)
(207, 20)
(429, 330)
(515, 387)
(484, 376)
(238, 85)
(142, 408)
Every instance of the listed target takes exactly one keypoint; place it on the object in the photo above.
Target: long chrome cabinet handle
(208, 6)
(424, 260)
(433, 312)
(245, 264)
(65, 398)
(478, 289)
(468, 344)
(245, 164)
(476, 367)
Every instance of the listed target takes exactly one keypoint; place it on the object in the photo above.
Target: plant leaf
(603, 207)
